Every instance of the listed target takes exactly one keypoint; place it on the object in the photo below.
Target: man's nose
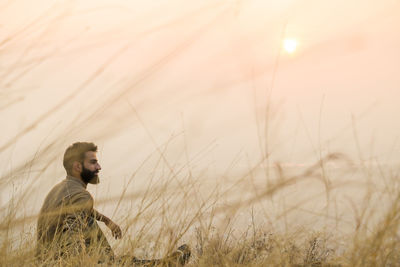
(98, 166)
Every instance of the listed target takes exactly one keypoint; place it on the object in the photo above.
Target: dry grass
(168, 215)
(176, 205)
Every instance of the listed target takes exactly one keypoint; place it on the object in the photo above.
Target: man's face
(90, 168)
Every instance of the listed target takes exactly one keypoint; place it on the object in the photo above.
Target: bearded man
(67, 224)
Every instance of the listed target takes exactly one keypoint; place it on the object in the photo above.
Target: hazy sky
(131, 75)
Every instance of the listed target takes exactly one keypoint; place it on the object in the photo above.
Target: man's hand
(115, 229)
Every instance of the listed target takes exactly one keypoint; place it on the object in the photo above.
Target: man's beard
(89, 177)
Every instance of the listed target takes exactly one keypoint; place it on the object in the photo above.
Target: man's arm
(115, 229)
(77, 212)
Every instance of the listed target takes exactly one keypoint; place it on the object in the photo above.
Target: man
(67, 224)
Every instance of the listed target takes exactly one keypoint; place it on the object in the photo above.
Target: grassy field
(234, 231)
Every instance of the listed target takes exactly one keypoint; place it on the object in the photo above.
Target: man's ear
(77, 166)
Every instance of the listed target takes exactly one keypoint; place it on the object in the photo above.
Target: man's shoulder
(69, 189)
(73, 189)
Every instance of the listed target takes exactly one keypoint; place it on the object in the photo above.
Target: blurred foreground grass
(236, 220)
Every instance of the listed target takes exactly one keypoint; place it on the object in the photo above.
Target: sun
(290, 45)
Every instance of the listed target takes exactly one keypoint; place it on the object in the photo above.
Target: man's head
(80, 161)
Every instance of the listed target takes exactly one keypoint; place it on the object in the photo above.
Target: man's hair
(76, 152)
